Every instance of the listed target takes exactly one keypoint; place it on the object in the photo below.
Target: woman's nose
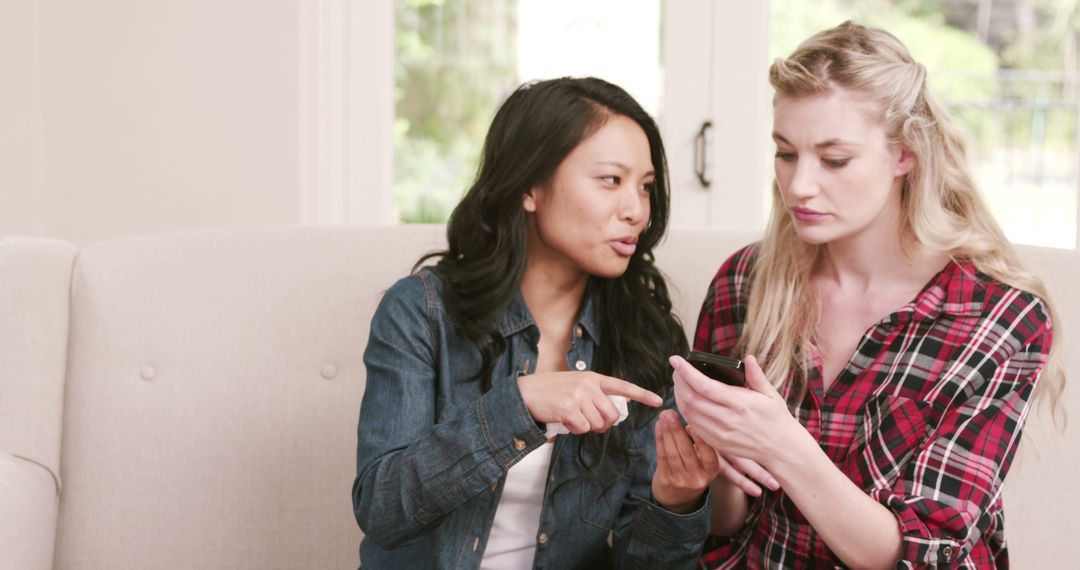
(632, 205)
(804, 182)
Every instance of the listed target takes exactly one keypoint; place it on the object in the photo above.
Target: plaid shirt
(925, 418)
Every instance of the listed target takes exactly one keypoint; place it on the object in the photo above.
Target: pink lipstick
(806, 214)
(624, 247)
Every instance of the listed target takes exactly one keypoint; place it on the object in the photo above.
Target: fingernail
(673, 361)
(774, 484)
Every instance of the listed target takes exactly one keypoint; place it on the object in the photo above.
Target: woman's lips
(806, 214)
(624, 247)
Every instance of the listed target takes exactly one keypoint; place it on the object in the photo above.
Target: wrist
(798, 451)
(681, 507)
(724, 488)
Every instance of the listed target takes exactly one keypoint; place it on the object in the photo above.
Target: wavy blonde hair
(942, 209)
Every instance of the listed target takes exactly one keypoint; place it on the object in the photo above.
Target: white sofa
(189, 400)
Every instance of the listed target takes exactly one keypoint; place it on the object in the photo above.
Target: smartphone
(727, 370)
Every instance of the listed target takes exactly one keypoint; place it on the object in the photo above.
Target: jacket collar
(517, 317)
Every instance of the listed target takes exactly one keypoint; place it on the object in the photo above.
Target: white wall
(21, 202)
(162, 115)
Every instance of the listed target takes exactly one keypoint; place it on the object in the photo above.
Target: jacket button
(519, 444)
(947, 552)
(148, 373)
(580, 365)
(543, 538)
(579, 331)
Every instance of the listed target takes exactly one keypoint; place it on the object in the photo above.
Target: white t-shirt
(512, 542)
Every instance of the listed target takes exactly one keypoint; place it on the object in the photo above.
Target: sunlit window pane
(456, 60)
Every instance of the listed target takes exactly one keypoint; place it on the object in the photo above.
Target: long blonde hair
(942, 209)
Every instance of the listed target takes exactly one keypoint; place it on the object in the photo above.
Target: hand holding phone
(722, 368)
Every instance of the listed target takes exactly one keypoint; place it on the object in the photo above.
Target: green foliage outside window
(455, 62)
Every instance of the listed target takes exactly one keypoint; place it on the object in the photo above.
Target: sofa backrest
(213, 389)
(214, 377)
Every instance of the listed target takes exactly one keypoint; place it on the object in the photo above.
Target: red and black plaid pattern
(925, 418)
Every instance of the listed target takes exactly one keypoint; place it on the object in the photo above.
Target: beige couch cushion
(213, 394)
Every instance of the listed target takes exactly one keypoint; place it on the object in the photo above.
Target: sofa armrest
(28, 511)
(35, 285)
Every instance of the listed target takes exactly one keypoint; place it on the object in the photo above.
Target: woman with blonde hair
(900, 341)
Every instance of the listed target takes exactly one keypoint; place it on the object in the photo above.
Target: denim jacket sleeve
(649, 536)
(411, 471)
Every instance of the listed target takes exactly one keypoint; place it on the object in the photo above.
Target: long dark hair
(482, 267)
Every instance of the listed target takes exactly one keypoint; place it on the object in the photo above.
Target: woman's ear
(905, 162)
(528, 201)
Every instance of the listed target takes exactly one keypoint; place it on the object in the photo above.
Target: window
(456, 60)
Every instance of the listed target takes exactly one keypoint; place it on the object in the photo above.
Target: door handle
(701, 143)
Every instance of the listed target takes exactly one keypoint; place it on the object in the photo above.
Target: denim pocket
(597, 507)
(602, 494)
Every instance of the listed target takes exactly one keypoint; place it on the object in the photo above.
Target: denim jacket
(433, 452)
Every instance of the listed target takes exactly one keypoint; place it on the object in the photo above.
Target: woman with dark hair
(544, 316)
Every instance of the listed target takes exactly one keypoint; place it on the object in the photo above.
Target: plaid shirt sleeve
(722, 314)
(948, 491)
(718, 328)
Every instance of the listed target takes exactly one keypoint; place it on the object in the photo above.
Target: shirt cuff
(919, 545)
(665, 527)
(508, 428)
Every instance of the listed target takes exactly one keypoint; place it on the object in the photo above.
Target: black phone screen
(722, 368)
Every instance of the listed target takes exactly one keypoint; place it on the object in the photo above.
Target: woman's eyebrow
(622, 166)
(823, 144)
